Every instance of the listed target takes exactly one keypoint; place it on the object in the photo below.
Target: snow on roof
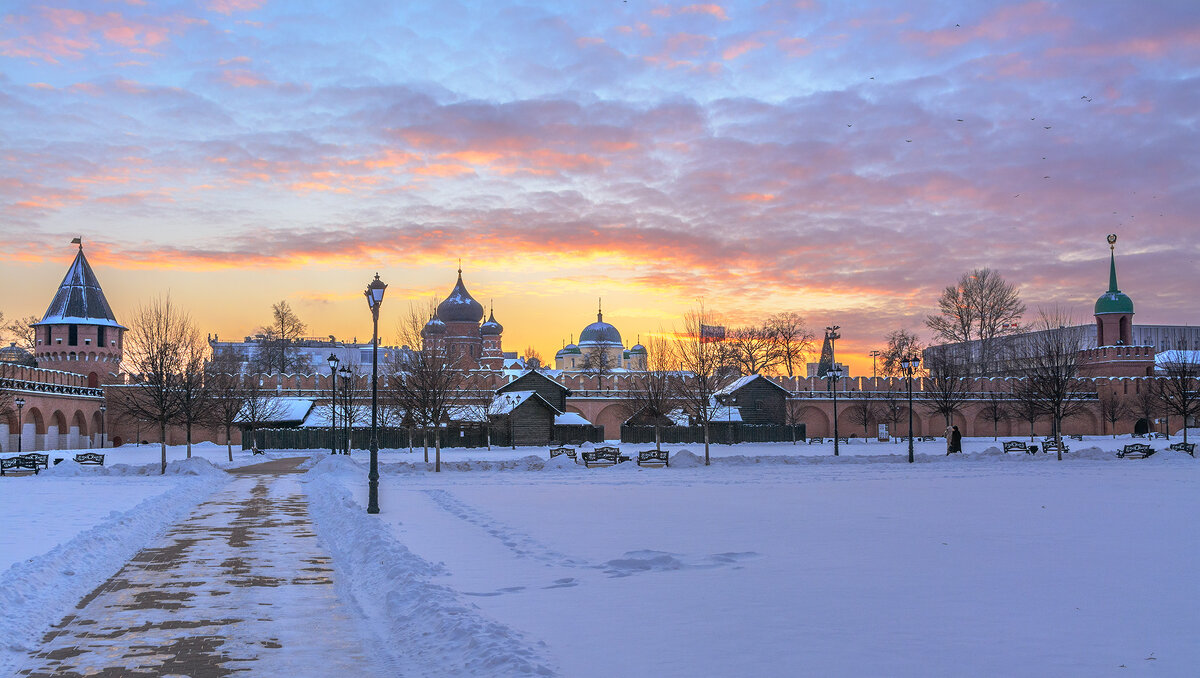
(743, 381)
(504, 403)
(1176, 356)
(284, 410)
(571, 419)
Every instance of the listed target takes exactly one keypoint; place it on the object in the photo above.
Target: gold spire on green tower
(1113, 301)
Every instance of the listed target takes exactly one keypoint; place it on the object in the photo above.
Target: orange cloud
(240, 77)
(755, 197)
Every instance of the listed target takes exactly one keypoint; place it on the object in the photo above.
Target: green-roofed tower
(1114, 308)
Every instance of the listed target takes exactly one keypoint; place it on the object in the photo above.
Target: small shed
(758, 400)
(526, 416)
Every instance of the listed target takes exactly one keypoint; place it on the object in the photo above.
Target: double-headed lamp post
(333, 365)
(833, 376)
(103, 409)
(20, 403)
(347, 405)
(910, 364)
(374, 295)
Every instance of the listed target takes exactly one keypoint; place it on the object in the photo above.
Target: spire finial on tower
(78, 241)
(460, 267)
(1112, 264)
(599, 309)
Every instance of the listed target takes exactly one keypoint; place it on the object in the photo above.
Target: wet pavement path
(239, 586)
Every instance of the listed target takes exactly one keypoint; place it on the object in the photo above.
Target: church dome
(569, 349)
(1114, 302)
(435, 326)
(15, 355)
(460, 306)
(491, 327)
(600, 333)
(638, 349)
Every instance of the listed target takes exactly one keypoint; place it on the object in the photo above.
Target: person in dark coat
(954, 442)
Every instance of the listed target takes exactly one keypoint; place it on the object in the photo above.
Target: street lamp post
(910, 364)
(103, 426)
(20, 425)
(347, 404)
(333, 364)
(374, 295)
(874, 354)
(833, 376)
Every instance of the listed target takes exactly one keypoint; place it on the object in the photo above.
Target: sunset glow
(845, 160)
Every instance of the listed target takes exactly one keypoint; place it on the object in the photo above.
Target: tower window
(100, 336)
(72, 335)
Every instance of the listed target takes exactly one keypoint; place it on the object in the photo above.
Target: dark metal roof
(79, 300)
(460, 306)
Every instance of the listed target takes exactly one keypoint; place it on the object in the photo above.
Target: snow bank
(561, 463)
(426, 628)
(196, 466)
(685, 459)
(45, 588)
(69, 468)
(336, 464)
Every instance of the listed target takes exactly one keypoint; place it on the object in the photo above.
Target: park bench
(42, 460)
(90, 459)
(1190, 448)
(22, 462)
(603, 456)
(1159, 436)
(255, 450)
(1135, 451)
(569, 451)
(843, 441)
(1015, 446)
(1075, 436)
(1052, 445)
(815, 439)
(653, 458)
(926, 439)
(1139, 435)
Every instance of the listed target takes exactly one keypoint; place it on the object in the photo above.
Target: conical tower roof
(1114, 300)
(79, 300)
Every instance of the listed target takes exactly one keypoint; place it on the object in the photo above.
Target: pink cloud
(738, 49)
(795, 47)
(713, 10)
(56, 33)
(1006, 23)
(228, 7)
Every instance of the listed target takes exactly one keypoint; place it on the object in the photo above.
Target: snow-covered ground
(976, 564)
(777, 560)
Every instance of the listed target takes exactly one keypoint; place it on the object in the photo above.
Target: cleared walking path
(241, 585)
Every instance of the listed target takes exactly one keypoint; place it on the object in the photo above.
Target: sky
(844, 160)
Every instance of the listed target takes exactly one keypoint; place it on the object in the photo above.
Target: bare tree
(225, 389)
(947, 388)
(1025, 405)
(900, 345)
(980, 306)
(892, 404)
(154, 357)
(533, 359)
(1050, 361)
(1146, 402)
(430, 385)
(753, 349)
(995, 408)
(193, 391)
(278, 352)
(698, 352)
(352, 390)
(1113, 408)
(863, 411)
(260, 404)
(598, 362)
(22, 331)
(1179, 386)
(654, 393)
(793, 340)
